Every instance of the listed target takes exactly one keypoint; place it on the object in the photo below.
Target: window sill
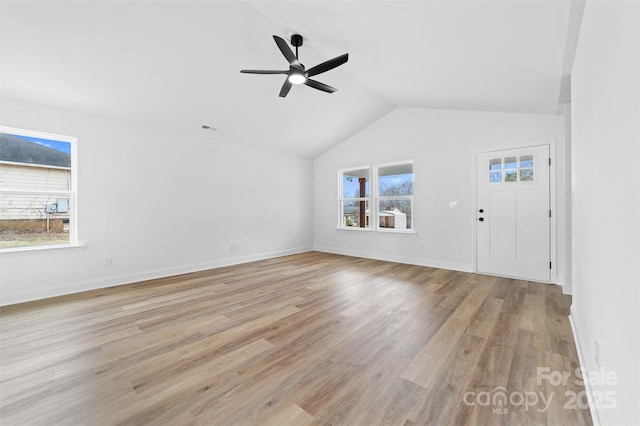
(25, 250)
(384, 231)
(397, 231)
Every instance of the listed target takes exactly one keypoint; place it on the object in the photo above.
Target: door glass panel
(526, 168)
(495, 170)
(526, 175)
(526, 161)
(510, 163)
(510, 175)
(510, 169)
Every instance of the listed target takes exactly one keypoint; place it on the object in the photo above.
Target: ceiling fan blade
(264, 71)
(319, 86)
(328, 65)
(285, 88)
(286, 51)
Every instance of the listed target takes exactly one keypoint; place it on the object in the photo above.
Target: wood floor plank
(288, 413)
(437, 350)
(485, 318)
(446, 391)
(307, 339)
(364, 402)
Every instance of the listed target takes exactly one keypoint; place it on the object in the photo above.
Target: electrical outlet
(108, 262)
(597, 354)
(422, 247)
(233, 247)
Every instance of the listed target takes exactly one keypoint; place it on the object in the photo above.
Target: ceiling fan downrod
(296, 41)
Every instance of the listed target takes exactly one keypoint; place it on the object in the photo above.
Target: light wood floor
(305, 339)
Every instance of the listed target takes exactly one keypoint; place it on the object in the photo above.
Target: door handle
(481, 219)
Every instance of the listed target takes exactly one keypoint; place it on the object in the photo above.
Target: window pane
(355, 214)
(354, 183)
(395, 214)
(33, 220)
(495, 177)
(526, 161)
(495, 164)
(396, 180)
(34, 163)
(510, 176)
(526, 175)
(510, 163)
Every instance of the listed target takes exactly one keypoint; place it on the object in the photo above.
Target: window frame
(518, 169)
(375, 198)
(71, 193)
(378, 197)
(342, 198)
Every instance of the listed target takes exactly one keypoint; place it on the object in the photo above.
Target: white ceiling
(175, 64)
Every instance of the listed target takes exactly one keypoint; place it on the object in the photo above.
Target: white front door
(513, 216)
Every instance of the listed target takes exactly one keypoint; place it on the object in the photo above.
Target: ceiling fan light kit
(297, 78)
(297, 74)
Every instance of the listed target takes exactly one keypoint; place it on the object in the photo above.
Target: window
(389, 192)
(355, 190)
(37, 189)
(395, 196)
(511, 169)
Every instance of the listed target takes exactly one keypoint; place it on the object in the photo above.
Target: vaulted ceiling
(175, 64)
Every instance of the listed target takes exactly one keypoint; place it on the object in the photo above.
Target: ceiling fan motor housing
(296, 40)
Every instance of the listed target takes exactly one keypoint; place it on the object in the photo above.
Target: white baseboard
(27, 296)
(598, 418)
(432, 263)
(561, 280)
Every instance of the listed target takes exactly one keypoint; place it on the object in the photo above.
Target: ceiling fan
(296, 74)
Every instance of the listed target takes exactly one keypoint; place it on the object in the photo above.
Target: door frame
(553, 227)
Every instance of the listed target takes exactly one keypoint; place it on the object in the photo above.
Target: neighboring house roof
(18, 150)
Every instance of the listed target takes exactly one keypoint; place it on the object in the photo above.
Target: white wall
(158, 203)
(606, 200)
(564, 198)
(443, 145)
